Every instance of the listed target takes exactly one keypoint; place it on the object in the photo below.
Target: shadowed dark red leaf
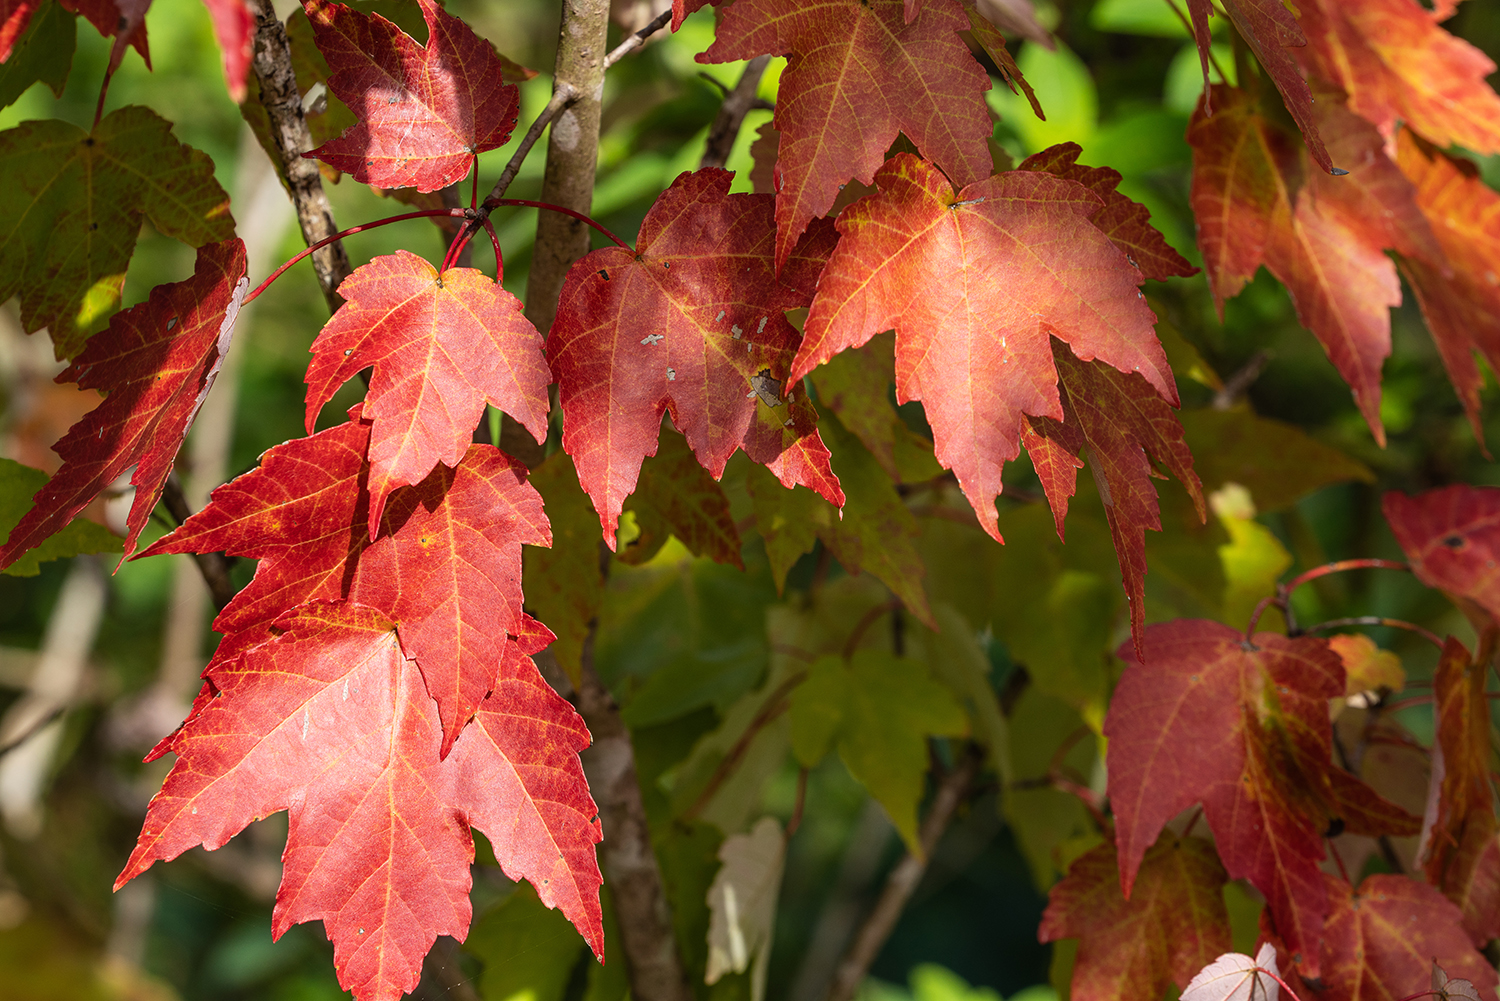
(691, 322)
(675, 496)
(424, 112)
(974, 283)
(122, 20)
(903, 75)
(1452, 536)
(1460, 850)
(329, 721)
(1396, 64)
(1172, 926)
(1127, 223)
(682, 8)
(1205, 718)
(156, 361)
(442, 346)
(1380, 941)
(1270, 30)
(1257, 202)
(1119, 422)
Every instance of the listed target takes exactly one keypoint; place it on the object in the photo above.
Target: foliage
(862, 648)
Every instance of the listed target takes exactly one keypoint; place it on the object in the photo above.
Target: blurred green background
(1122, 82)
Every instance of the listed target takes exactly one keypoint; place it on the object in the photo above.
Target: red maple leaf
(860, 72)
(1270, 30)
(1118, 420)
(1381, 940)
(1324, 237)
(446, 567)
(1126, 222)
(1460, 302)
(691, 322)
(1451, 536)
(1172, 926)
(234, 27)
(682, 8)
(1204, 717)
(156, 362)
(442, 346)
(300, 512)
(15, 15)
(423, 113)
(329, 721)
(1462, 854)
(1396, 64)
(974, 283)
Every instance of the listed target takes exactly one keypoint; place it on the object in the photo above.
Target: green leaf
(1278, 463)
(528, 949)
(1060, 622)
(857, 386)
(71, 207)
(1139, 17)
(751, 742)
(954, 658)
(679, 633)
(1254, 559)
(1043, 819)
(878, 710)
(17, 485)
(44, 53)
(564, 586)
(676, 496)
(875, 533)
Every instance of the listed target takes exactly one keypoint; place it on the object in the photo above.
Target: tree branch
(650, 945)
(213, 566)
(272, 64)
(903, 880)
(737, 104)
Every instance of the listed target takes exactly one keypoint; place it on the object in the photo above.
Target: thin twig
(776, 704)
(36, 727)
(903, 880)
(863, 625)
(213, 566)
(638, 39)
(425, 213)
(737, 104)
(1378, 620)
(796, 820)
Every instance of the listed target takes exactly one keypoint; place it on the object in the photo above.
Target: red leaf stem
(1378, 620)
(1339, 567)
(457, 213)
(494, 203)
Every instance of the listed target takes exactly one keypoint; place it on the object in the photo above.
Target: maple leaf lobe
(442, 346)
(424, 112)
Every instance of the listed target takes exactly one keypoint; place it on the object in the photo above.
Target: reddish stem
(1279, 600)
(1339, 567)
(796, 821)
(1379, 620)
(1282, 598)
(863, 625)
(490, 203)
(1288, 989)
(489, 228)
(425, 213)
(474, 194)
(1193, 822)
